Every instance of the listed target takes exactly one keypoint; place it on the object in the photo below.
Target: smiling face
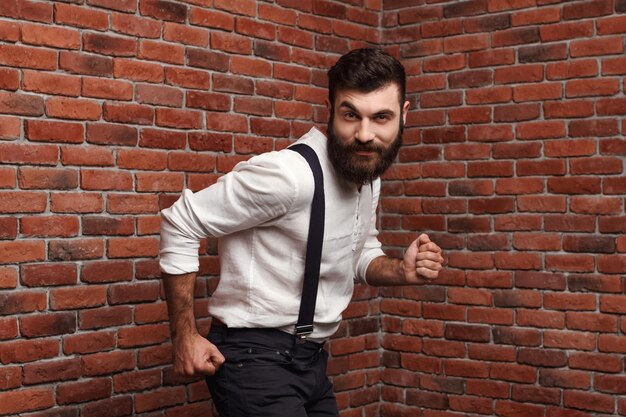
(365, 132)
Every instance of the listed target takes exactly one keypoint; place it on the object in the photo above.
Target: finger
(423, 239)
(429, 247)
(427, 273)
(433, 256)
(430, 265)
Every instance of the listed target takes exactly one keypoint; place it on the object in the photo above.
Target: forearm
(179, 290)
(385, 271)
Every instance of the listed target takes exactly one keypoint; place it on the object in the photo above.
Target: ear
(327, 103)
(405, 110)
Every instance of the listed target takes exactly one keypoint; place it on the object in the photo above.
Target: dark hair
(366, 70)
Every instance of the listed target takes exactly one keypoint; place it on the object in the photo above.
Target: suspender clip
(302, 332)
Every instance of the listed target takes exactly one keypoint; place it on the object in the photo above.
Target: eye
(350, 116)
(382, 117)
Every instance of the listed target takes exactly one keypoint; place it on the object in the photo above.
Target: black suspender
(304, 326)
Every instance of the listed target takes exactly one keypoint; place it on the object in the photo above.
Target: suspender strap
(304, 326)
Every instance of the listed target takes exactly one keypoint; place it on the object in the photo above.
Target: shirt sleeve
(254, 192)
(372, 248)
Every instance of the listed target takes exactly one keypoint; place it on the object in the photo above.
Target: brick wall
(514, 163)
(516, 166)
(108, 108)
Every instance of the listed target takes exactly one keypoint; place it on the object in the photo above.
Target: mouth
(365, 154)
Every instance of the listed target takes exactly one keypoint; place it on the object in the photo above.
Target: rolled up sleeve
(372, 248)
(255, 192)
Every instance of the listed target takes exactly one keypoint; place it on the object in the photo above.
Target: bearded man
(262, 357)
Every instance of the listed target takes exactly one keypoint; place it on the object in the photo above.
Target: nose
(364, 132)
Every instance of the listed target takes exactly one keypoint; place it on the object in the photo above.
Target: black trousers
(267, 375)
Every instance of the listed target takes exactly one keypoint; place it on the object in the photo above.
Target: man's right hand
(194, 356)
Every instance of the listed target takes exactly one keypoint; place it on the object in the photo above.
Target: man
(261, 213)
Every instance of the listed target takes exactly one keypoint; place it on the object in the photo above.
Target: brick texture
(518, 118)
(513, 163)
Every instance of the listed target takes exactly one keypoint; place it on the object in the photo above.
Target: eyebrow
(352, 108)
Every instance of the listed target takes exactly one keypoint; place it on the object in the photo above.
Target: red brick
(592, 8)
(110, 134)
(43, 82)
(50, 131)
(594, 47)
(589, 401)
(568, 30)
(594, 361)
(109, 45)
(76, 202)
(107, 363)
(22, 104)
(156, 355)
(111, 89)
(52, 371)
(10, 127)
(89, 342)
(115, 406)
(22, 202)
(569, 340)
(547, 204)
(9, 31)
(158, 95)
(49, 324)
(27, 57)
(66, 250)
(277, 14)
(161, 398)
(8, 227)
(517, 74)
(212, 18)
(78, 63)
(534, 92)
(611, 107)
(157, 138)
(56, 37)
(137, 381)
(143, 335)
(163, 10)
(90, 156)
(137, 71)
(517, 36)
(86, 390)
(132, 204)
(178, 118)
(49, 226)
(161, 51)
(30, 399)
(159, 182)
(46, 178)
(135, 26)
(204, 141)
(133, 293)
(601, 87)
(183, 34)
(571, 69)
(568, 109)
(80, 17)
(611, 25)
(37, 275)
(232, 84)
(128, 113)
(190, 78)
(538, 15)
(540, 130)
(70, 108)
(231, 43)
(491, 58)
(516, 112)
(96, 318)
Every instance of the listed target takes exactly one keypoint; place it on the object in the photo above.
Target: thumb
(423, 239)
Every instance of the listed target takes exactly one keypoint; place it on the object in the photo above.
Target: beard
(358, 169)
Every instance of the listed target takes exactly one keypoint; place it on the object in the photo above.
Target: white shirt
(260, 212)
